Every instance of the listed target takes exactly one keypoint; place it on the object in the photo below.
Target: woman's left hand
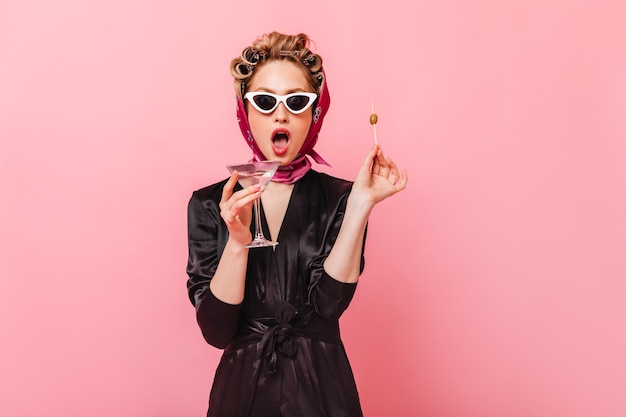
(377, 179)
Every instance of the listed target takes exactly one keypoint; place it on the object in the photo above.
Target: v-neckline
(265, 225)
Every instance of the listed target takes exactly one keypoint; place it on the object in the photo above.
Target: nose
(281, 114)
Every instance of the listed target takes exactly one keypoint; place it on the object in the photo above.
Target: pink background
(494, 285)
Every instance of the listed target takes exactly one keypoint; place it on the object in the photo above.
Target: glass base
(260, 243)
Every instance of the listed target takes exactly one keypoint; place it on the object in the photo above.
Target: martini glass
(253, 173)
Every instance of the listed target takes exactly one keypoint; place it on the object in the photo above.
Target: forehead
(279, 77)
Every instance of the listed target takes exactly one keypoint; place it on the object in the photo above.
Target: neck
(293, 171)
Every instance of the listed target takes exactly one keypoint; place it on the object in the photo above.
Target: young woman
(275, 310)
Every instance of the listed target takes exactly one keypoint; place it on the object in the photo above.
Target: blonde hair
(273, 47)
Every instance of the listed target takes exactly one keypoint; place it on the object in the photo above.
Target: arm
(216, 280)
(229, 281)
(377, 179)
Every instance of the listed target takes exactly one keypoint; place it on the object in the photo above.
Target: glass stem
(257, 215)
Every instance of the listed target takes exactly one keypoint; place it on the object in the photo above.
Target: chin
(284, 161)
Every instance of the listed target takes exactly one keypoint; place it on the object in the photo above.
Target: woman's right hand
(236, 209)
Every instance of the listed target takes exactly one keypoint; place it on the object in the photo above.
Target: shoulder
(209, 195)
(327, 182)
(204, 204)
(323, 191)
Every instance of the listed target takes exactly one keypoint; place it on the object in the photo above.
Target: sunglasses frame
(280, 99)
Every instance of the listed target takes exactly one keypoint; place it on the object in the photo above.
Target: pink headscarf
(296, 169)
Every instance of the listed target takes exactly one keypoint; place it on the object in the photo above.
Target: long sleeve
(328, 296)
(206, 234)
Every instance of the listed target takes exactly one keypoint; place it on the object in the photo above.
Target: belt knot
(277, 338)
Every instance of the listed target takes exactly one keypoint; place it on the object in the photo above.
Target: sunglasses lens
(297, 103)
(265, 102)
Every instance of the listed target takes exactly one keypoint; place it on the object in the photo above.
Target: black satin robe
(283, 355)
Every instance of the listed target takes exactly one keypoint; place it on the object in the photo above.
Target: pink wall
(494, 284)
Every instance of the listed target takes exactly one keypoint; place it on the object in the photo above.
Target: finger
(404, 178)
(369, 159)
(381, 164)
(384, 167)
(227, 203)
(227, 191)
(231, 212)
(245, 200)
(393, 168)
(380, 157)
(376, 167)
(229, 218)
(245, 192)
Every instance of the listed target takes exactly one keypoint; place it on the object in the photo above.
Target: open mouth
(280, 141)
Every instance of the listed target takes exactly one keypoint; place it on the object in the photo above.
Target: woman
(275, 310)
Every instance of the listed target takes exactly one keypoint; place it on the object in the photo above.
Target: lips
(280, 141)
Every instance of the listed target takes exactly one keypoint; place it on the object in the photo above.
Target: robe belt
(276, 335)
